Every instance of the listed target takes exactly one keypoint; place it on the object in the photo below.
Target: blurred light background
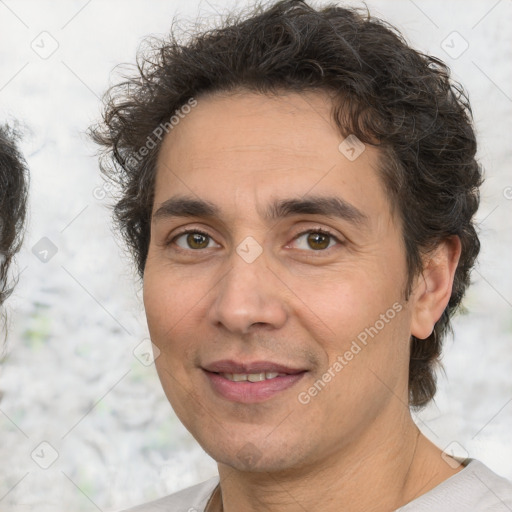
(70, 378)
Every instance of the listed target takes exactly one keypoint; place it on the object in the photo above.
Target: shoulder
(191, 499)
(474, 489)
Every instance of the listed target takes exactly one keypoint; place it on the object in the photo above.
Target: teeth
(251, 377)
(256, 377)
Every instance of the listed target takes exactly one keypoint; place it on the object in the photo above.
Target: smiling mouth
(252, 382)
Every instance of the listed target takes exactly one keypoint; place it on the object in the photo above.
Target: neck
(381, 471)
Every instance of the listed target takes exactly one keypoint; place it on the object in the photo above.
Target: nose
(249, 297)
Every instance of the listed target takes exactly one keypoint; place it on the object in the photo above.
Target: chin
(256, 464)
(257, 457)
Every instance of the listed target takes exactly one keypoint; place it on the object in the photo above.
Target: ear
(433, 287)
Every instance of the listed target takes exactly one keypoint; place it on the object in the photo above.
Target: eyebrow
(330, 206)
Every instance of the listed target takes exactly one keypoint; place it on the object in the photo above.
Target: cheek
(163, 311)
(169, 299)
(338, 303)
(359, 316)
(156, 305)
(175, 304)
(167, 312)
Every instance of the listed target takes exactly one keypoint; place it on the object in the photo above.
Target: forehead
(241, 149)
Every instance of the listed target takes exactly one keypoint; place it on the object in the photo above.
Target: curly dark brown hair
(384, 92)
(13, 204)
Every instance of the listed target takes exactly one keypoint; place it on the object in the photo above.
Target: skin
(353, 446)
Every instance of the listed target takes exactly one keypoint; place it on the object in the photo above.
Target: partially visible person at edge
(13, 204)
(298, 188)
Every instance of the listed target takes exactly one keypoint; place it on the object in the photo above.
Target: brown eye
(318, 241)
(197, 241)
(193, 240)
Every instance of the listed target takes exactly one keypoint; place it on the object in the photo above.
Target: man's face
(265, 290)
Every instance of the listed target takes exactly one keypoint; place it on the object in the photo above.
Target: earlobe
(433, 287)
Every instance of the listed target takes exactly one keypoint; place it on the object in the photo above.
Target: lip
(251, 392)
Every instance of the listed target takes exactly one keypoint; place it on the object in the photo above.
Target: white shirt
(474, 489)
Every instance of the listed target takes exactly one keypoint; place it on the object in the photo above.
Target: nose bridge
(248, 293)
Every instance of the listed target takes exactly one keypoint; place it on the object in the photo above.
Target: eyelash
(204, 233)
